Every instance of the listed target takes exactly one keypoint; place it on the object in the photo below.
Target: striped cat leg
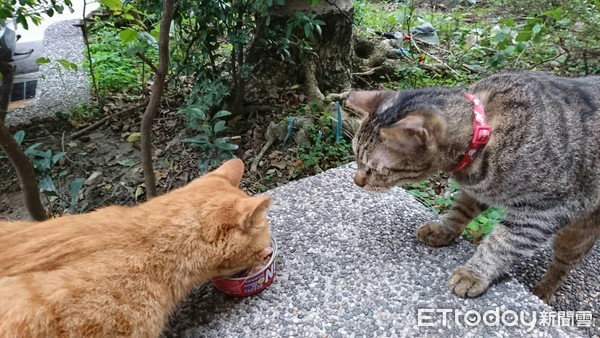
(570, 245)
(452, 224)
(512, 239)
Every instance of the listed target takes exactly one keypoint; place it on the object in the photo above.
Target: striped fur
(542, 165)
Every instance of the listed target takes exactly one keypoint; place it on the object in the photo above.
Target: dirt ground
(116, 163)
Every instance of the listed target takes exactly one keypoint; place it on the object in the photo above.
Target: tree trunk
(15, 154)
(328, 70)
(158, 88)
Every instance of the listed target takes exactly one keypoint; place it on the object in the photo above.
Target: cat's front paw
(435, 234)
(466, 283)
(544, 293)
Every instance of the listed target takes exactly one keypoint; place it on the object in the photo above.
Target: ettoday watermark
(501, 317)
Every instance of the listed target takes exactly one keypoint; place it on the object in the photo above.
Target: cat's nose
(360, 178)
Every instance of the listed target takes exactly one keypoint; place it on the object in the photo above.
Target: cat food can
(252, 284)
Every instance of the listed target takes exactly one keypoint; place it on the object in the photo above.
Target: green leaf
(196, 139)
(203, 165)
(473, 225)
(221, 113)
(19, 136)
(126, 162)
(32, 150)
(215, 162)
(536, 29)
(47, 184)
(508, 22)
(308, 30)
(128, 35)
(219, 126)
(113, 5)
(523, 36)
(223, 143)
(520, 47)
(194, 113)
(134, 137)
(74, 189)
(67, 64)
(42, 60)
(23, 21)
(499, 37)
(57, 157)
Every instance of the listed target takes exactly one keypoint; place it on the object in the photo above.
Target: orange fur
(118, 272)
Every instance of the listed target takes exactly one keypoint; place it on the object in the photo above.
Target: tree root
(277, 132)
(312, 86)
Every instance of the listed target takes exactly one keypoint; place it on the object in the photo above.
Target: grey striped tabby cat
(541, 164)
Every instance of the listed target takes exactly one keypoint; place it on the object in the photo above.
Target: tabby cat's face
(383, 164)
(388, 154)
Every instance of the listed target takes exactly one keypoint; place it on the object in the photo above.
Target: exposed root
(277, 132)
(312, 86)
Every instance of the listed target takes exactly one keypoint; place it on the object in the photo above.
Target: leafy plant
(308, 24)
(214, 147)
(437, 193)
(483, 225)
(58, 65)
(23, 11)
(324, 152)
(79, 114)
(117, 70)
(44, 163)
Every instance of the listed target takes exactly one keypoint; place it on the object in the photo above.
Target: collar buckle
(481, 135)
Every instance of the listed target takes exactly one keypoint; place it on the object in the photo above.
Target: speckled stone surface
(350, 265)
(58, 89)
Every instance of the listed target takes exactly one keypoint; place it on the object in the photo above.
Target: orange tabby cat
(118, 272)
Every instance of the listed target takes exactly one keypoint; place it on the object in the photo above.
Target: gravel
(58, 89)
(350, 266)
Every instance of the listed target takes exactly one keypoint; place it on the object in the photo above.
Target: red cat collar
(481, 134)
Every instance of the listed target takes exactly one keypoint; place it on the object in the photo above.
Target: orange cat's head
(230, 227)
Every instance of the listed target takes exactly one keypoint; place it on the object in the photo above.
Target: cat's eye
(368, 171)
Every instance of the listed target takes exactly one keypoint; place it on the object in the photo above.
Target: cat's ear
(366, 102)
(415, 128)
(249, 208)
(233, 170)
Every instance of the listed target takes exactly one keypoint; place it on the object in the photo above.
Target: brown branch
(147, 61)
(100, 122)
(89, 57)
(8, 74)
(15, 154)
(158, 88)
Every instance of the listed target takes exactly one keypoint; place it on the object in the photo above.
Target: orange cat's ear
(250, 207)
(233, 170)
(366, 102)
